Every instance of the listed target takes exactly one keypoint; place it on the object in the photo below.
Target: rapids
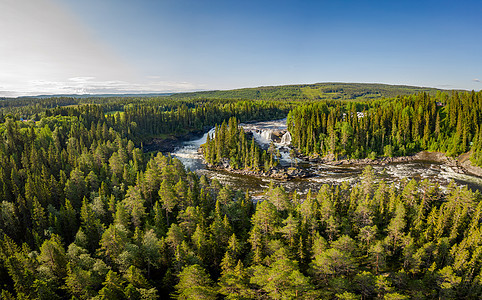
(276, 132)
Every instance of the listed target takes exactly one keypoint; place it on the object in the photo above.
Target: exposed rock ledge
(276, 173)
(460, 164)
(464, 161)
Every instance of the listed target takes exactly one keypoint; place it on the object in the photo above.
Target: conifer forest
(88, 211)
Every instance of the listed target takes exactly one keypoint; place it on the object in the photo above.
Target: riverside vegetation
(85, 213)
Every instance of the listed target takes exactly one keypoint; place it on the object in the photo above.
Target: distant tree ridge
(316, 91)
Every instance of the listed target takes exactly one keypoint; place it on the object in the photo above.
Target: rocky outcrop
(277, 135)
(464, 161)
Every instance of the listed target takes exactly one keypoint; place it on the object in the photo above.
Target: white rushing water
(265, 132)
(286, 139)
(270, 131)
(188, 152)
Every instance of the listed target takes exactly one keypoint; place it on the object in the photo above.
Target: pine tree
(168, 198)
(194, 283)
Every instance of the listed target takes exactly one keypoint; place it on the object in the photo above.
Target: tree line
(142, 118)
(315, 91)
(390, 127)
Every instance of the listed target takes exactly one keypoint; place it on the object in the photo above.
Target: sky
(151, 46)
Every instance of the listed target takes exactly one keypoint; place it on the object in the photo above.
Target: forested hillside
(316, 91)
(390, 127)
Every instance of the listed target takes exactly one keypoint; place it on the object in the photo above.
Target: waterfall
(267, 135)
(212, 134)
(286, 139)
(263, 136)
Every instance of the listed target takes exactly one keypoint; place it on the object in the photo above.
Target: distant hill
(328, 90)
(315, 91)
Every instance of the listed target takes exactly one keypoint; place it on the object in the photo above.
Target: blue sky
(93, 46)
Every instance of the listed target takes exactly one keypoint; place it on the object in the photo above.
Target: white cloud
(81, 79)
(87, 85)
(476, 80)
(43, 49)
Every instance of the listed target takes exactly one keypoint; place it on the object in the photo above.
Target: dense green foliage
(142, 118)
(316, 91)
(231, 146)
(69, 176)
(393, 127)
(85, 214)
(170, 232)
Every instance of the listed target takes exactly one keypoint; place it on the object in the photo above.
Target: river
(265, 132)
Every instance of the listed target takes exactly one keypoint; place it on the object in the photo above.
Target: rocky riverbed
(460, 165)
(279, 172)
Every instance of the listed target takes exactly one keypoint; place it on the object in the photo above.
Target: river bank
(275, 173)
(464, 161)
(171, 142)
(460, 165)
